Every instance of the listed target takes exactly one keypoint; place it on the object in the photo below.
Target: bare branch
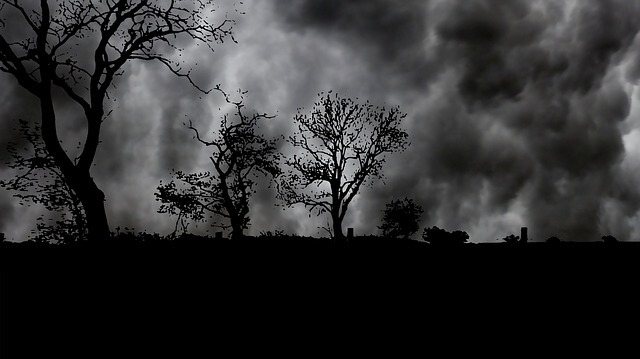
(14, 4)
(342, 145)
(239, 156)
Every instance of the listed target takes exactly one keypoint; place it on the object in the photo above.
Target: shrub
(511, 239)
(553, 240)
(401, 219)
(437, 236)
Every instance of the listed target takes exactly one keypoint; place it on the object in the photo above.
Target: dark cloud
(384, 35)
(532, 120)
(392, 28)
(488, 39)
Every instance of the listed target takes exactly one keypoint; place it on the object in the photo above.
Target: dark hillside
(266, 288)
(263, 255)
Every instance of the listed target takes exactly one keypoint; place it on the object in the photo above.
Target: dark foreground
(219, 292)
(300, 256)
(268, 265)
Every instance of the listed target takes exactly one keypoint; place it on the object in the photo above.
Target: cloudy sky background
(520, 113)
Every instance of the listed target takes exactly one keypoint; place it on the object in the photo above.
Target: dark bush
(401, 219)
(553, 240)
(437, 236)
(511, 239)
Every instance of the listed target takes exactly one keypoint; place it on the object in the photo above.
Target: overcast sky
(520, 113)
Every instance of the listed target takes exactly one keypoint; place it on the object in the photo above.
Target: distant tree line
(341, 146)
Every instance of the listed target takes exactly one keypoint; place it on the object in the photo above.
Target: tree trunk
(76, 176)
(236, 228)
(337, 226)
(335, 209)
(236, 233)
(92, 199)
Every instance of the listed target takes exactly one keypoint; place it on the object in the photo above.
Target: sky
(519, 113)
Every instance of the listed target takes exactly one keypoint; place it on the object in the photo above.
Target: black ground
(218, 292)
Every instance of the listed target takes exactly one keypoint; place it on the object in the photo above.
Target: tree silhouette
(240, 155)
(341, 145)
(40, 181)
(553, 239)
(401, 218)
(45, 59)
(511, 239)
(440, 237)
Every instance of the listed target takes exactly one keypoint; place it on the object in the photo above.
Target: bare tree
(341, 145)
(239, 156)
(46, 59)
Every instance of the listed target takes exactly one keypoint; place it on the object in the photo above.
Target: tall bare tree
(45, 58)
(239, 155)
(340, 146)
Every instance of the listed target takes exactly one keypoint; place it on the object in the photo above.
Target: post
(2, 237)
(523, 235)
(218, 235)
(349, 233)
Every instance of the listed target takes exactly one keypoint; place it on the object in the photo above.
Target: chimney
(523, 235)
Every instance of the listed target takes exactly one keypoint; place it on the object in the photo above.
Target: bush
(437, 236)
(401, 219)
(553, 240)
(511, 239)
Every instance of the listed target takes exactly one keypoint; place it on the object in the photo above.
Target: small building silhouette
(524, 235)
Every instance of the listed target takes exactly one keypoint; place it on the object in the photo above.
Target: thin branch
(22, 11)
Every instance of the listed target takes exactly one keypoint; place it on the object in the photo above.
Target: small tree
(40, 181)
(342, 145)
(240, 155)
(401, 219)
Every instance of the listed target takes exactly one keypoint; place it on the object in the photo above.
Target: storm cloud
(520, 113)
